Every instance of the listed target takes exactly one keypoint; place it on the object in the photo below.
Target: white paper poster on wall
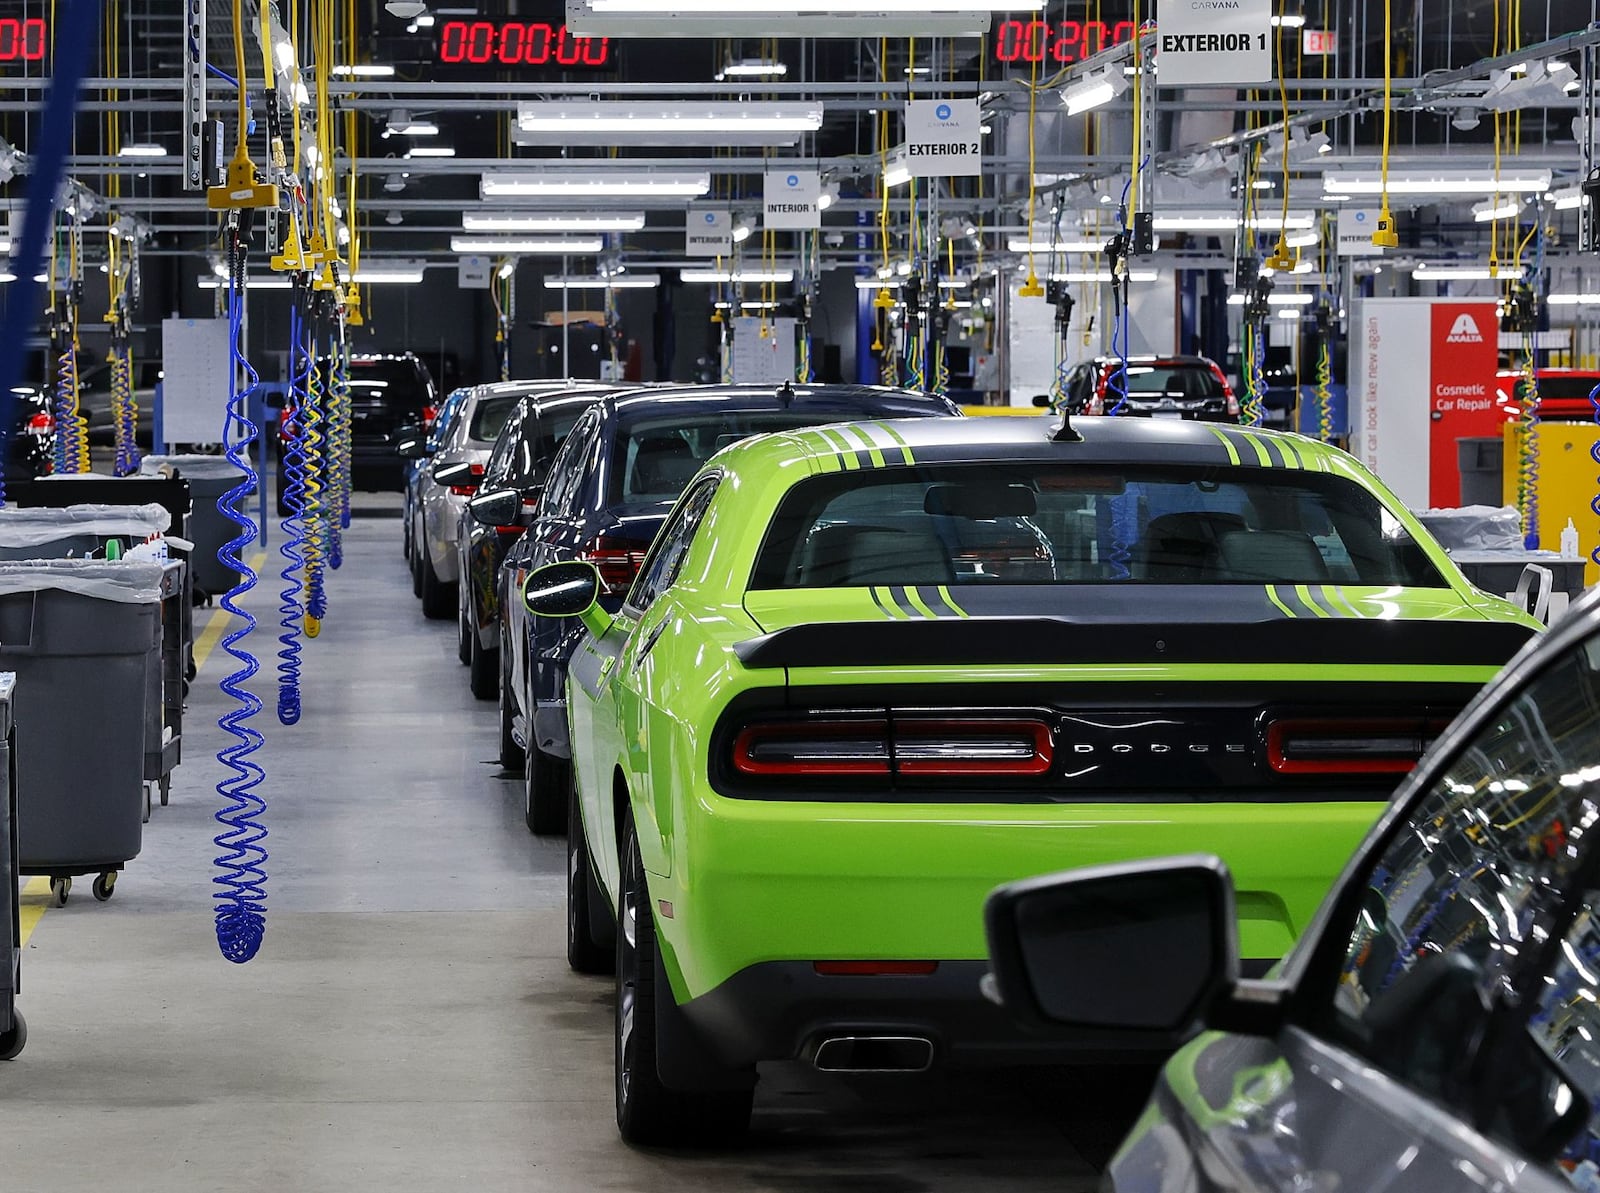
(197, 364)
(763, 359)
(792, 197)
(942, 138)
(708, 232)
(1214, 41)
(1355, 233)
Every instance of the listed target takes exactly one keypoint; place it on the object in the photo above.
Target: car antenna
(1066, 432)
(786, 393)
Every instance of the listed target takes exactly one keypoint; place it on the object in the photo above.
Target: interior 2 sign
(1214, 41)
(942, 138)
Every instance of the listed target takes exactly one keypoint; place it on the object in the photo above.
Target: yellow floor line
(36, 894)
(218, 622)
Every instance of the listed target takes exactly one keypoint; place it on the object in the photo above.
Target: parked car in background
(31, 439)
(1563, 393)
(521, 455)
(870, 671)
(418, 454)
(607, 495)
(1168, 387)
(450, 475)
(392, 399)
(1437, 1028)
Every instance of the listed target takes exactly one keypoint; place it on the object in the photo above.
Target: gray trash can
(209, 478)
(77, 531)
(84, 636)
(1483, 468)
(13, 1031)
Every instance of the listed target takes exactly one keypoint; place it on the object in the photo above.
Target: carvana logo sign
(793, 180)
(711, 217)
(942, 111)
(1361, 217)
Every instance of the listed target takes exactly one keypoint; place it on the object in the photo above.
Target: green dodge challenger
(871, 671)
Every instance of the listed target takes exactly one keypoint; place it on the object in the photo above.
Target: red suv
(1187, 387)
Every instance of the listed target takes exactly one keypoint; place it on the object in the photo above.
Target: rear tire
(437, 596)
(483, 670)
(544, 792)
(648, 1112)
(584, 953)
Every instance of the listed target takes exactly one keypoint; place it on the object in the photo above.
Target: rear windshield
(1169, 379)
(490, 416)
(658, 457)
(1047, 523)
(395, 383)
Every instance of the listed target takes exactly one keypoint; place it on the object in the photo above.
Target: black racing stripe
(900, 598)
(876, 600)
(932, 599)
(1051, 641)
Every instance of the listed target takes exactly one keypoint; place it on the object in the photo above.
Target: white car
(459, 460)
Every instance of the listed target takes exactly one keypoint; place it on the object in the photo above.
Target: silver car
(1437, 1027)
(448, 479)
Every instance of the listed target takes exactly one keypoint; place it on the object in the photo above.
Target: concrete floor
(410, 1023)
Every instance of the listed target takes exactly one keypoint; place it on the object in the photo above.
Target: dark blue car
(608, 490)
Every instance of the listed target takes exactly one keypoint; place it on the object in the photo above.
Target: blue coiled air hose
(291, 609)
(125, 410)
(241, 896)
(1594, 454)
(318, 494)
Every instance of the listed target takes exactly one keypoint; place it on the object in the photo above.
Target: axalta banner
(1423, 375)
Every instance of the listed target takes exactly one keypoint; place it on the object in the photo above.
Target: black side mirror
(1042, 401)
(500, 508)
(561, 589)
(276, 399)
(413, 449)
(458, 475)
(1141, 948)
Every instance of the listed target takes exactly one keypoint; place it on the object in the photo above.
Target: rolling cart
(13, 1030)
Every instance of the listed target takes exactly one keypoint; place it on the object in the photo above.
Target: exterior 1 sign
(791, 196)
(1214, 41)
(942, 138)
(709, 232)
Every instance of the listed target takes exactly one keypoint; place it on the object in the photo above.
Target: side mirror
(1042, 401)
(500, 508)
(458, 475)
(413, 449)
(276, 399)
(561, 589)
(1141, 947)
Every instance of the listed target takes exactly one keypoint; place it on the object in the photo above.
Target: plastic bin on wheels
(87, 530)
(13, 1031)
(209, 478)
(84, 636)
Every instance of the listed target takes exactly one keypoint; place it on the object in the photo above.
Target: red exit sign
(1319, 41)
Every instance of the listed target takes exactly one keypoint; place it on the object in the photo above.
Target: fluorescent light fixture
(594, 184)
(896, 169)
(954, 283)
(524, 245)
(1277, 300)
(753, 68)
(870, 283)
(1263, 184)
(364, 70)
(1490, 209)
(747, 306)
(631, 281)
(1289, 313)
(1302, 240)
(1567, 199)
(745, 276)
(1289, 20)
(749, 8)
(599, 221)
(430, 151)
(265, 282)
(1436, 182)
(608, 122)
(142, 151)
(1092, 92)
(425, 20)
(1268, 221)
(1427, 272)
(1574, 300)
(401, 124)
(1087, 276)
(1021, 244)
(1301, 266)
(742, 232)
(775, 18)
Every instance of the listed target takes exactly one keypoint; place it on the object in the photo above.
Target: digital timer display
(1057, 43)
(521, 43)
(22, 41)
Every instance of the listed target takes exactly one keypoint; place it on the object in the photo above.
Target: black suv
(392, 398)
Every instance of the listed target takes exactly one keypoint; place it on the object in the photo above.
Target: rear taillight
(1348, 747)
(469, 489)
(617, 560)
(1097, 400)
(908, 747)
(875, 969)
(40, 424)
(429, 414)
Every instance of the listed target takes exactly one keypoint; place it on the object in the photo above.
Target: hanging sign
(472, 273)
(1355, 233)
(1214, 41)
(942, 138)
(709, 232)
(791, 196)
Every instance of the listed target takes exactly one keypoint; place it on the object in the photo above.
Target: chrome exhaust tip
(873, 1054)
